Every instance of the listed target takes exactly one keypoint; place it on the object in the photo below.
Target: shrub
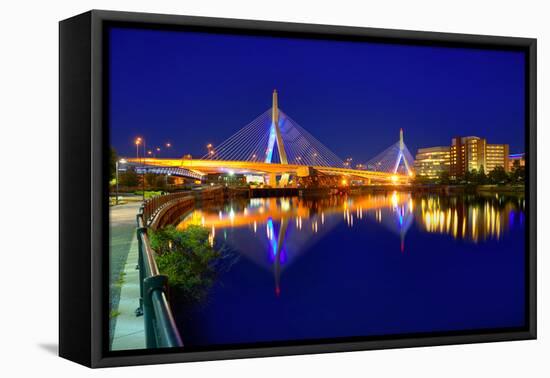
(188, 259)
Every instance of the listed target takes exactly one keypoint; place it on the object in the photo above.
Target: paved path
(126, 331)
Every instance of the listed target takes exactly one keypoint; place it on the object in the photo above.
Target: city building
(472, 152)
(431, 162)
(496, 155)
(512, 158)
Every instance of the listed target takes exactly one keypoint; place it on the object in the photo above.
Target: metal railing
(154, 204)
(160, 327)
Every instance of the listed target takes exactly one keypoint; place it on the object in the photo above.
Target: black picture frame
(83, 228)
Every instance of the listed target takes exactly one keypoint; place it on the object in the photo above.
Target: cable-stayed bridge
(277, 147)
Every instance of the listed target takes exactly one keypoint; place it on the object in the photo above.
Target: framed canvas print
(234, 188)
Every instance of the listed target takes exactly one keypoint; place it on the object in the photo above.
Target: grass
(114, 314)
(120, 281)
(149, 193)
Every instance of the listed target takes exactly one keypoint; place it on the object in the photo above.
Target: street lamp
(121, 161)
(158, 152)
(137, 142)
(210, 149)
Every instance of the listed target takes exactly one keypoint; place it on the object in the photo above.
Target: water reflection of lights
(285, 204)
(314, 226)
(470, 218)
(474, 218)
(212, 236)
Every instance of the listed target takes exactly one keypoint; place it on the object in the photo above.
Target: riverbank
(443, 189)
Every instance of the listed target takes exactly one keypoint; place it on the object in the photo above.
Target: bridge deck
(246, 167)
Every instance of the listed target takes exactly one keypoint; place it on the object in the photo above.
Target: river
(363, 266)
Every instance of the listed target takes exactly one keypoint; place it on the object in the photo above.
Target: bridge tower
(401, 155)
(275, 121)
(275, 136)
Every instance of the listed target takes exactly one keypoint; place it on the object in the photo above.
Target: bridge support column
(272, 180)
(283, 181)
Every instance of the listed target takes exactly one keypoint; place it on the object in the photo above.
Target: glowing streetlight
(210, 149)
(137, 142)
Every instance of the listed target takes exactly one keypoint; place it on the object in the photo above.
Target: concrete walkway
(126, 330)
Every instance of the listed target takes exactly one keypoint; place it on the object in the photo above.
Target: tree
(113, 157)
(444, 178)
(128, 178)
(160, 182)
(420, 180)
(517, 176)
(481, 176)
(471, 176)
(150, 178)
(498, 175)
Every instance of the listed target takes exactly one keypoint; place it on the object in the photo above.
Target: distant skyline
(191, 89)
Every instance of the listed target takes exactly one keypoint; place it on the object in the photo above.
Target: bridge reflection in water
(275, 232)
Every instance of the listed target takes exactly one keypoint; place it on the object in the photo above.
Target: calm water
(360, 266)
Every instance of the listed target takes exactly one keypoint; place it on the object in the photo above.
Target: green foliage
(444, 178)
(517, 176)
(481, 178)
(498, 176)
(471, 176)
(161, 181)
(187, 258)
(120, 281)
(150, 178)
(474, 177)
(148, 193)
(128, 178)
(114, 314)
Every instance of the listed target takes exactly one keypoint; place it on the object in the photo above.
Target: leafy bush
(148, 193)
(188, 259)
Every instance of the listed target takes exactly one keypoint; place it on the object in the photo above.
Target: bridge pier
(272, 180)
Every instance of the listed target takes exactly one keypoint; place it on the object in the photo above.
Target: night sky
(196, 88)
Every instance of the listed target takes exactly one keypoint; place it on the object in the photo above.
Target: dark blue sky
(197, 88)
